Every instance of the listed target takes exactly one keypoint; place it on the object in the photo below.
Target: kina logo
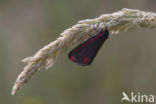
(138, 97)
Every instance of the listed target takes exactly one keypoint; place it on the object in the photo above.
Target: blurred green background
(126, 62)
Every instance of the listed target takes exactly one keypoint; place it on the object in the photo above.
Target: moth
(85, 53)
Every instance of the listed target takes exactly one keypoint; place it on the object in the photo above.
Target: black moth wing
(85, 53)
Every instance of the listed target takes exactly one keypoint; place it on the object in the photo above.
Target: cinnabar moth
(85, 53)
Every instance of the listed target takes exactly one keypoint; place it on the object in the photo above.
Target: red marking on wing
(86, 60)
(90, 41)
(72, 58)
